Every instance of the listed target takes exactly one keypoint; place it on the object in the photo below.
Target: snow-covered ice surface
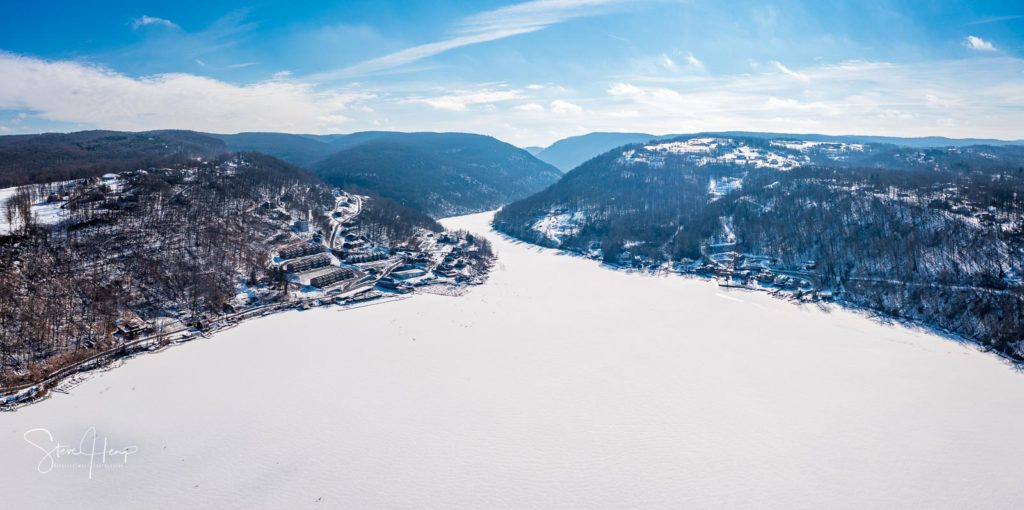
(557, 384)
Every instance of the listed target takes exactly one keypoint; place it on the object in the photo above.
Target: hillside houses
(308, 263)
(408, 272)
(333, 277)
(365, 256)
(300, 250)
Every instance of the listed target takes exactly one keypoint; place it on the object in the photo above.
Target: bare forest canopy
(174, 241)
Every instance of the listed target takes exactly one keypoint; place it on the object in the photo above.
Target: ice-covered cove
(558, 384)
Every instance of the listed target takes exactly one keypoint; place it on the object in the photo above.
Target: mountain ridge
(482, 172)
(570, 152)
(442, 174)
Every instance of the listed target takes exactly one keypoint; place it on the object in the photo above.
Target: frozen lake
(558, 384)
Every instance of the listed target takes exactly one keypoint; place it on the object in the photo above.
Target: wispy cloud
(976, 43)
(241, 65)
(789, 72)
(851, 97)
(460, 100)
(533, 15)
(214, 44)
(484, 27)
(146, 21)
(530, 107)
(994, 19)
(667, 62)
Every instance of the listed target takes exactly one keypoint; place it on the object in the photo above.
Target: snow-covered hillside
(782, 154)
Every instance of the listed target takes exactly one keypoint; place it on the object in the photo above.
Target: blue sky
(526, 72)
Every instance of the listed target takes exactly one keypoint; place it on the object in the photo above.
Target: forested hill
(301, 150)
(30, 159)
(935, 235)
(569, 153)
(437, 173)
(298, 150)
(442, 174)
(190, 240)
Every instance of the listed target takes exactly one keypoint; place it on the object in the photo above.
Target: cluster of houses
(348, 256)
(308, 263)
(332, 277)
(352, 241)
(362, 257)
(310, 260)
(453, 264)
(404, 277)
(745, 270)
(301, 249)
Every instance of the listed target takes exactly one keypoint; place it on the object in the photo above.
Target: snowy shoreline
(781, 295)
(556, 384)
(65, 378)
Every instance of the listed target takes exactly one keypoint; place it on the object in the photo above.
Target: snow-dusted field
(44, 213)
(558, 384)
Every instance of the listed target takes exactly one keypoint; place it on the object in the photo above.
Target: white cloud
(624, 89)
(479, 28)
(694, 61)
(976, 43)
(461, 100)
(789, 72)
(73, 92)
(529, 107)
(565, 107)
(241, 65)
(927, 98)
(146, 21)
(667, 62)
(794, 105)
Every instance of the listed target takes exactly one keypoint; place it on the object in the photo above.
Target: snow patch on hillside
(557, 225)
(45, 213)
(710, 151)
(721, 186)
(833, 150)
(693, 145)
